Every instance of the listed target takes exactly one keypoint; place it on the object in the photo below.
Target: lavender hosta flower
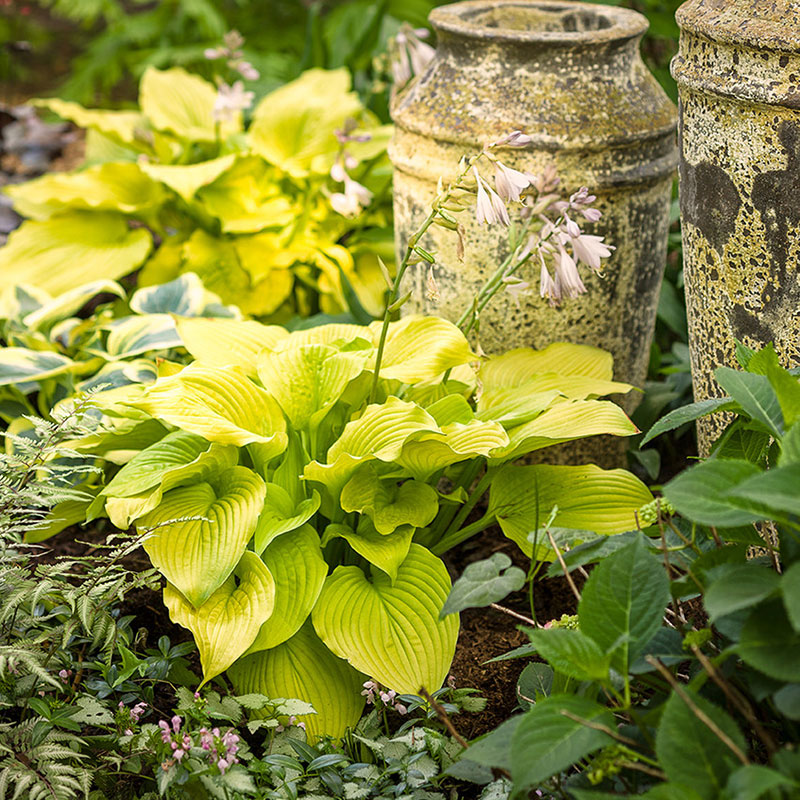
(514, 139)
(410, 54)
(230, 100)
(350, 202)
(568, 281)
(248, 71)
(509, 182)
(489, 207)
(589, 249)
(517, 288)
(431, 288)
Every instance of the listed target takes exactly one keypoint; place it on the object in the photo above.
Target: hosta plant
(299, 523)
(270, 215)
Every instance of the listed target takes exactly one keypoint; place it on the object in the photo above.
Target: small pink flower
(128, 732)
(179, 754)
(176, 723)
(400, 709)
(509, 182)
(590, 249)
(567, 280)
(489, 208)
(514, 139)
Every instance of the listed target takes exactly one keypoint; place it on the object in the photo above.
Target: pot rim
(455, 19)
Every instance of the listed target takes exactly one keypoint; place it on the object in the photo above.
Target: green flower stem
(443, 520)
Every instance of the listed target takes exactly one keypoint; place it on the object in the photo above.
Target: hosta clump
(298, 523)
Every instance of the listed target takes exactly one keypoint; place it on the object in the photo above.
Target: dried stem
(564, 566)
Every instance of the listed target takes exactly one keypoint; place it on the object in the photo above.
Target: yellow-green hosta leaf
(388, 504)
(588, 498)
(421, 348)
(462, 381)
(280, 515)
(299, 570)
(518, 366)
(227, 342)
(220, 404)
(228, 622)
(511, 407)
(120, 186)
(20, 365)
(451, 408)
(120, 125)
(565, 421)
(391, 631)
(173, 100)
(197, 555)
(457, 442)
(307, 381)
(574, 387)
(69, 302)
(142, 333)
(386, 551)
(101, 148)
(63, 252)
(295, 124)
(337, 334)
(187, 179)
(379, 433)
(123, 439)
(303, 668)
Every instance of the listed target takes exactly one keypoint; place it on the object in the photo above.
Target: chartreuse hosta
(299, 526)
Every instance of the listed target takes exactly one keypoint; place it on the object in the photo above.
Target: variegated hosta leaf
(294, 125)
(281, 515)
(197, 555)
(69, 302)
(563, 422)
(303, 668)
(66, 251)
(296, 563)
(187, 179)
(177, 458)
(118, 186)
(228, 622)
(185, 296)
(223, 342)
(457, 442)
(379, 433)
(386, 551)
(132, 336)
(20, 365)
(120, 373)
(173, 100)
(307, 381)
(388, 504)
(218, 403)
(517, 367)
(391, 631)
(588, 498)
(421, 348)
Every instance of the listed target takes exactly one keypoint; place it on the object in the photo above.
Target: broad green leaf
(218, 403)
(623, 602)
(69, 302)
(379, 433)
(484, 582)
(294, 125)
(790, 448)
(20, 365)
(224, 342)
(303, 668)
(547, 741)
(120, 125)
(197, 555)
(494, 749)
(753, 781)
(516, 367)
(574, 387)
(175, 101)
(702, 493)
(388, 504)
(666, 646)
(787, 389)
(421, 348)
(690, 413)
(451, 408)
(422, 458)
(134, 335)
(787, 700)
(386, 551)
(186, 180)
(117, 186)
(564, 422)
(775, 491)
(512, 407)
(755, 395)
(790, 584)
(670, 791)
(571, 653)
(228, 622)
(770, 644)
(690, 753)
(389, 630)
(739, 586)
(281, 515)
(66, 251)
(307, 381)
(299, 571)
(588, 498)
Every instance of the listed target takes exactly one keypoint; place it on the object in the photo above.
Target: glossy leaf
(281, 515)
(385, 551)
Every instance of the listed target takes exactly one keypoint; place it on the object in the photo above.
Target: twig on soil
(564, 566)
(521, 617)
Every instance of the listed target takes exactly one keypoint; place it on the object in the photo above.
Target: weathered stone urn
(738, 73)
(569, 75)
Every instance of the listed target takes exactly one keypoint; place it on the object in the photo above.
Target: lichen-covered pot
(569, 75)
(738, 73)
